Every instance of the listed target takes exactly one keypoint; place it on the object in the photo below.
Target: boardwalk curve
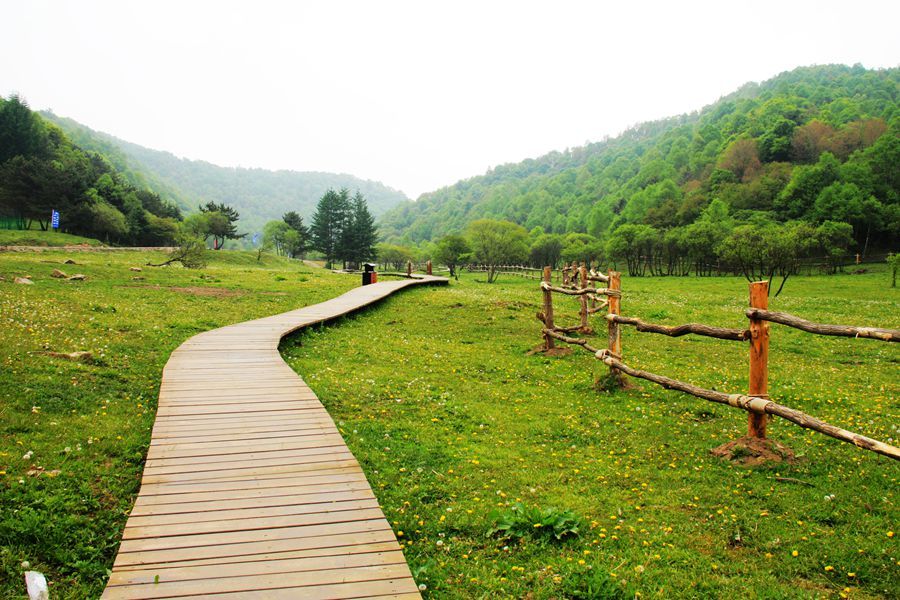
(248, 490)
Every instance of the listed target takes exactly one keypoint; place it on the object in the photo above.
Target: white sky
(415, 94)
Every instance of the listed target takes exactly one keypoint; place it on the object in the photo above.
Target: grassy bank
(454, 424)
(73, 435)
(36, 237)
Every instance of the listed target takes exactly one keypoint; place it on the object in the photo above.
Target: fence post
(548, 309)
(615, 333)
(759, 358)
(428, 267)
(585, 328)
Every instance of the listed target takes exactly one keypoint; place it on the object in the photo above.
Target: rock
(77, 277)
(69, 261)
(36, 584)
(23, 280)
(138, 278)
(136, 269)
(58, 274)
(81, 356)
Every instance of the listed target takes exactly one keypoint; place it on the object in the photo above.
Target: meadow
(467, 439)
(461, 433)
(73, 434)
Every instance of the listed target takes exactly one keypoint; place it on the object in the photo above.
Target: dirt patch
(752, 451)
(195, 290)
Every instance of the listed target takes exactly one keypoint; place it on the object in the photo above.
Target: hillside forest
(259, 195)
(42, 170)
(801, 166)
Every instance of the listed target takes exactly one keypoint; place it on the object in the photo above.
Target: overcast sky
(414, 94)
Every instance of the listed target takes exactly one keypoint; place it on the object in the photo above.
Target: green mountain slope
(755, 150)
(258, 195)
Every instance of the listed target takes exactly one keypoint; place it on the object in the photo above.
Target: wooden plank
(253, 513)
(286, 469)
(168, 574)
(361, 582)
(248, 488)
(273, 501)
(149, 502)
(236, 463)
(327, 537)
(351, 543)
(183, 450)
(323, 476)
(262, 534)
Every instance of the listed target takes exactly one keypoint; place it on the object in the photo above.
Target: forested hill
(257, 194)
(768, 151)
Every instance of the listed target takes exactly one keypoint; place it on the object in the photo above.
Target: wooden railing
(756, 402)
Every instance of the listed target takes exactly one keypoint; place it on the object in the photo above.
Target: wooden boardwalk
(249, 490)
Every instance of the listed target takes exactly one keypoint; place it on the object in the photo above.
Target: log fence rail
(577, 281)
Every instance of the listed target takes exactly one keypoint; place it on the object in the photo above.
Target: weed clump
(523, 522)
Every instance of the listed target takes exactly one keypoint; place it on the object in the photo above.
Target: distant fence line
(581, 283)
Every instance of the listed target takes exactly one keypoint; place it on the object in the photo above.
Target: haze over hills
(767, 151)
(258, 195)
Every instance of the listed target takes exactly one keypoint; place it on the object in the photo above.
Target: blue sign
(54, 219)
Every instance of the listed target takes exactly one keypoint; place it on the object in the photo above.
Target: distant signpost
(54, 219)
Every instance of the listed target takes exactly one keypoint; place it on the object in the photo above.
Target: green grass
(36, 237)
(455, 424)
(86, 427)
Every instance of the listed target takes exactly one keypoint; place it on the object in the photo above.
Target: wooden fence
(756, 402)
(563, 274)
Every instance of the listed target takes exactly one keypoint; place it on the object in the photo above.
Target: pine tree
(363, 233)
(295, 222)
(329, 225)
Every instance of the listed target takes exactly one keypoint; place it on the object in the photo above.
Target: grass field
(73, 435)
(455, 424)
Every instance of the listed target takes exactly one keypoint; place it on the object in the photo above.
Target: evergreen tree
(295, 222)
(362, 234)
(329, 224)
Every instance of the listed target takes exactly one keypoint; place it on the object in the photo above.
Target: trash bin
(369, 275)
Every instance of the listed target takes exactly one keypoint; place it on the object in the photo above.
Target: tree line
(816, 145)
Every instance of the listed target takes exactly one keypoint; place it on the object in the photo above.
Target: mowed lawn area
(73, 435)
(454, 424)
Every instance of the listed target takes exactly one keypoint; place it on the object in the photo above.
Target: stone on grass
(58, 274)
(36, 584)
(81, 356)
(69, 261)
(23, 280)
(76, 277)
(136, 269)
